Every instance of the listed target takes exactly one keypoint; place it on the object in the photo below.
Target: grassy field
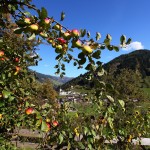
(147, 91)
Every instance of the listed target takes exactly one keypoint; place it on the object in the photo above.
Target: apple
(34, 27)
(17, 69)
(59, 47)
(50, 40)
(29, 111)
(53, 44)
(44, 35)
(27, 20)
(67, 35)
(47, 20)
(78, 44)
(57, 27)
(16, 59)
(55, 123)
(1, 116)
(1, 53)
(2, 59)
(47, 120)
(61, 40)
(48, 126)
(87, 49)
(75, 32)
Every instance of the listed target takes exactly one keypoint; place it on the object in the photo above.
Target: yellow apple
(75, 32)
(87, 49)
(34, 27)
(27, 20)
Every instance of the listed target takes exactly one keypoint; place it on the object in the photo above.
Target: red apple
(55, 123)
(2, 59)
(1, 53)
(48, 126)
(47, 20)
(29, 111)
(27, 20)
(16, 59)
(87, 49)
(61, 40)
(34, 27)
(75, 32)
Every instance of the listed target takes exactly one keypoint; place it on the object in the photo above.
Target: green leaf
(83, 32)
(82, 61)
(96, 54)
(98, 36)
(129, 41)
(88, 34)
(60, 138)
(111, 99)
(44, 126)
(108, 36)
(90, 146)
(121, 102)
(88, 67)
(116, 48)
(58, 57)
(6, 94)
(110, 121)
(75, 63)
(110, 47)
(1, 103)
(38, 123)
(81, 55)
(62, 16)
(11, 98)
(107, 42)
(32, 37)
(93, 133)
(18, 31)
(86, 130)
(101, 73)
(123, 39)
(81, 146)
(43, 13)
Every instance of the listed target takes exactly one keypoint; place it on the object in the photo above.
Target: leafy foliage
(17, 108)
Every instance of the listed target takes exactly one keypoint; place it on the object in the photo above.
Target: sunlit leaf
(62, 16)
(98, 35)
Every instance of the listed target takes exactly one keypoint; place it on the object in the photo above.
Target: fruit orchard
(20, 34)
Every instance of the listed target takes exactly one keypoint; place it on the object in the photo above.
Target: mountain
(55, 80)
(138, 60)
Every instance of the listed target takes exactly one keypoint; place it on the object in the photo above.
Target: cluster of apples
(61, 43)
(17, 68)
(53, 124)
(35, 26)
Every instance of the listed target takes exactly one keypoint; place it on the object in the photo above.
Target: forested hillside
(138, 61)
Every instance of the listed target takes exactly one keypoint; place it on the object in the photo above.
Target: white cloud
(134, 46)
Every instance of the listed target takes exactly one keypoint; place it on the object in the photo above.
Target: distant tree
(45, 91)
(127, 84)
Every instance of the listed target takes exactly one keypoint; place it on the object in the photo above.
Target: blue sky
(116, 17)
